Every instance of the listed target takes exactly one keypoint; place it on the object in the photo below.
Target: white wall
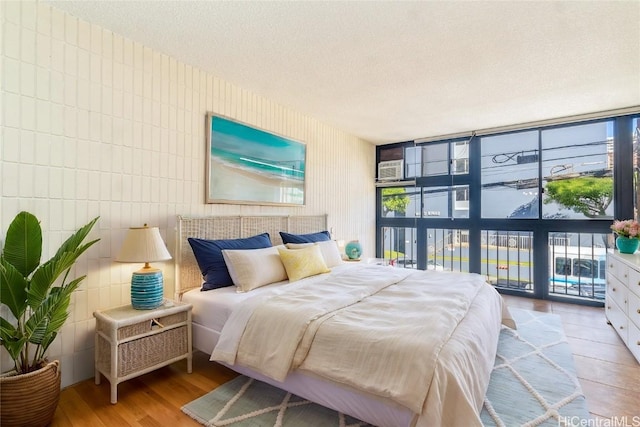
(94, 124)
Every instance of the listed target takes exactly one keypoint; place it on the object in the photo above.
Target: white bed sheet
(213, 308)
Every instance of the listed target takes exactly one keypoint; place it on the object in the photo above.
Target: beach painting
(250, 166)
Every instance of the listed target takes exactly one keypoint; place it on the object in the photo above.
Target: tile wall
(94, 124)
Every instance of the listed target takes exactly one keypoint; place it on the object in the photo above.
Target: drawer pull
(154, 322)
(613, 289)
(638, 310)
(621, 327)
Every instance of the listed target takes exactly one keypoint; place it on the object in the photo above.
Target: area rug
(533, 382)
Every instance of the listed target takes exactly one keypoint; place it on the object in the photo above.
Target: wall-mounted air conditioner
(390, 170)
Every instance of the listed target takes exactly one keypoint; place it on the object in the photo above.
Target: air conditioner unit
(391, 170)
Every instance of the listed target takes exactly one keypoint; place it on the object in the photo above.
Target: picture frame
(248, 165)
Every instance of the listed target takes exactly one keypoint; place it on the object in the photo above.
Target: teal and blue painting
(248, 165)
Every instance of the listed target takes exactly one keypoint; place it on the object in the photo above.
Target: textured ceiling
(397, 71)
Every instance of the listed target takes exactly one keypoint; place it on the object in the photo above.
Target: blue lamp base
(147, 289)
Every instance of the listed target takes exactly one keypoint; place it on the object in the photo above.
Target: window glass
(399, 202)
(539, 174)
(509, 174)
(460, 201)
(432, 159)
(507, 259)
(579, 264)
(577, 171)
(412, 162)
(447, 249)
(436, 202)
(435, 159)
(445, 202)
(399, 246)
(460, 157)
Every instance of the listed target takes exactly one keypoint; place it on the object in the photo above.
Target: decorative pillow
(209, 257)
(304, 262)
(329, 250)
(305, 238)
(252, 268)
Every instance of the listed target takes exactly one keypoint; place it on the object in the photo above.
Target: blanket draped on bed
(376, 329)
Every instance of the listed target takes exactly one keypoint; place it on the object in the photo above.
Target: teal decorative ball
(353, 249)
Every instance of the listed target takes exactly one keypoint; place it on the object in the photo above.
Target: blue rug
(533, 382)
(534, 379)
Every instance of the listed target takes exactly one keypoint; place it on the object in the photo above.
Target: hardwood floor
(609, 375)
(151, 400)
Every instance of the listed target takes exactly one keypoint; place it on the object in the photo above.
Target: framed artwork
(250, 166)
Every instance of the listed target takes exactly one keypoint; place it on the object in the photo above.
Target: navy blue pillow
(209, 257)
(320, 236)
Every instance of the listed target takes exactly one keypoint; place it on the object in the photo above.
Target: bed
(321, 349)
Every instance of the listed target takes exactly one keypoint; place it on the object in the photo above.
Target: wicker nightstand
(132, 342)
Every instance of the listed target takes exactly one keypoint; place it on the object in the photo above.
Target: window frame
(542, 229)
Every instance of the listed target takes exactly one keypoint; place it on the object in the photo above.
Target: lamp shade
(143, 244)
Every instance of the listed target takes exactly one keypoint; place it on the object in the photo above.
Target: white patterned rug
(534, 380)
(533, 383)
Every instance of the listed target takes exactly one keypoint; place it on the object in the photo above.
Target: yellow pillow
(304, 262)
(328, 248)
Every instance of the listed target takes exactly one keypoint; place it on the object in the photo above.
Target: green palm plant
(29, 290)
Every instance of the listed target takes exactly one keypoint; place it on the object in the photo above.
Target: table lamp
(144, 244)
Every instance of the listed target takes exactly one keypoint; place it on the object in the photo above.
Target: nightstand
(132, 342)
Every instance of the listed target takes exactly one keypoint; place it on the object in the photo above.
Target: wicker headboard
(188, 275)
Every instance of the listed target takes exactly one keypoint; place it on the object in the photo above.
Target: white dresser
(622, 303)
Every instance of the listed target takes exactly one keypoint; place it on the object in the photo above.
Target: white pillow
(252, 268)
(329, 249)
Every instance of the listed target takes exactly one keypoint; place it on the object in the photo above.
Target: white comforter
(377, 329)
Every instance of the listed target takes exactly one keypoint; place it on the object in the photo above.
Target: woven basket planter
(30, 399)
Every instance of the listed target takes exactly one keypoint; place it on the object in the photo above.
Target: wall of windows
(529, 209)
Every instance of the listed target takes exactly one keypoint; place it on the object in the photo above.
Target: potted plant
(35, 302)
(628, 232)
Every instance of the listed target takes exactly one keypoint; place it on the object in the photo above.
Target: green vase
(627, 245)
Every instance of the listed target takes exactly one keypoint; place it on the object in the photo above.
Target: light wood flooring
(609, 375)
